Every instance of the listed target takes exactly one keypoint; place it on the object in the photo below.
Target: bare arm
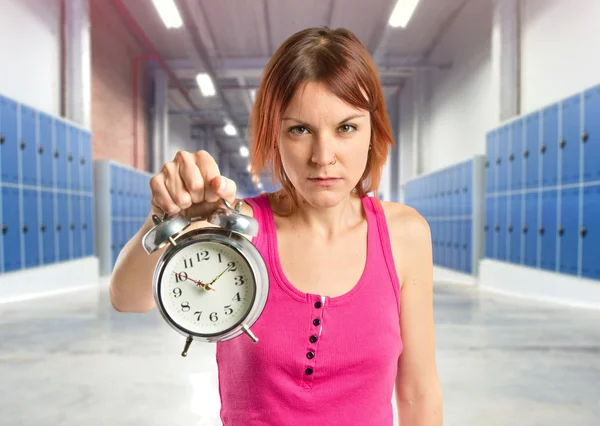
(179, 187)
(418, 390)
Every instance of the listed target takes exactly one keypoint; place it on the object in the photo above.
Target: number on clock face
(228, 296)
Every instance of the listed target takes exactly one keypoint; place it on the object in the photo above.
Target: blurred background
(495, 106)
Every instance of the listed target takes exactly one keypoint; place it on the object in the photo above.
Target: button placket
(316, 328)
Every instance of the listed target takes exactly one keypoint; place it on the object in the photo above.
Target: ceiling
(233, 40)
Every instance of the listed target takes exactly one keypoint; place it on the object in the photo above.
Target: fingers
(209, 169)
(225, 188)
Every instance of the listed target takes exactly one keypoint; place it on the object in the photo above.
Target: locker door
(116, 238)
(548, 230)
(433, 228)
(490, 162)
(88, 225)
(45, 151)
(75, 226)
(114, 191)
(467, 246)
(590, 232)
(568, 231)
(48, 226)
(549, 147)
(569, 143)
(73, 159)
(530, 228)
(514, 228)
(515, 157)
(490, 223)
(467, 192)
(8, 141)
(85, 161)
(11, 229)
(591, 135)
(60, 154)
(502, 158)
(501, 228)
(453, 261)
(27, 145)
(62, 226)
(531, 151)
(31, 228)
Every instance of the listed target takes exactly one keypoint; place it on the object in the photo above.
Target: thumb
(225, 188)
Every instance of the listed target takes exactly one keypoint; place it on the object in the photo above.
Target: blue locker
(88, 225)
(590, 232)
(114, 190)
(531, 151)
(569, 143)
(515, 227)
(467, 246)
(549, 147)
(11, 229)
(465, 190)
(502, 158)
(452, 247)
(62, 226)
(115, 240)
(489, 229)
(73, 155)
(60, 154)
(31, 228)
(548, 230)
(568, 231)
(45, 150)
(442, 242)
(502, 228)
(459, 171)
(515, 157)
(75, 226)
(28, 146)
(490, 162)
(530, 228)
(48, 227)
(85, 161)
(9, 154)
(591, 135)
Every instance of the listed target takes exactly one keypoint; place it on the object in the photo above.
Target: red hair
(338, 59)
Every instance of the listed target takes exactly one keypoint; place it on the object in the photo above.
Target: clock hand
(218, 276)
(198, 283)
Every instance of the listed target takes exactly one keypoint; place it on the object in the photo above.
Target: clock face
(207, 288)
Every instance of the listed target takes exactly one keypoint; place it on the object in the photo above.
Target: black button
(318, 305)
(310, 355)
(309, 371)
(317, 321)
(313, 339)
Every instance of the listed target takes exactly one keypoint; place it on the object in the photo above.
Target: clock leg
(188, 342)
(251, 335)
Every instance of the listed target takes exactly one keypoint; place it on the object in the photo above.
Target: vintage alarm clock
(210, 284)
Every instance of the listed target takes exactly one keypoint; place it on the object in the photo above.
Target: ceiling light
(206, 85)
(244, 151)
(168, 13)
(249, 168)
(230, 130)
(253, 94)
(402, 13)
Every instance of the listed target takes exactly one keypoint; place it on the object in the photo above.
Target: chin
(324, 197)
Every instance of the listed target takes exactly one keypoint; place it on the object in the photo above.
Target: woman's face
(324, 145)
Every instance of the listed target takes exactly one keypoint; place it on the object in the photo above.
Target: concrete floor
(69, 360)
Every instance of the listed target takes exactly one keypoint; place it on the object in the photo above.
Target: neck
(327, 222)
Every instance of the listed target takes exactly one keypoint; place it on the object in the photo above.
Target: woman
(335, 338)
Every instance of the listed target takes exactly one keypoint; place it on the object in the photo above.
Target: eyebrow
(351, 117)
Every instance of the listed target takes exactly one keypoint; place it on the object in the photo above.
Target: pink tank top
(319, 360)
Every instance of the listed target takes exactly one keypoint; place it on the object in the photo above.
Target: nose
(323, 153)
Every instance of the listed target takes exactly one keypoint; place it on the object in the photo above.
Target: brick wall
(114, 47)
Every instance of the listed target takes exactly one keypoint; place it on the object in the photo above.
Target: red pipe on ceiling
(146, 41)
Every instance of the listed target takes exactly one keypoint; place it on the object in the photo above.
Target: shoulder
(410, 238)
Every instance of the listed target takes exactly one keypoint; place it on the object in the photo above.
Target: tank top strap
(261, 212)
(376, 218)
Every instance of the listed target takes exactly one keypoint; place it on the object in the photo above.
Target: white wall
(460, 101)
(180, 136)
(560, 45)
(30, 53)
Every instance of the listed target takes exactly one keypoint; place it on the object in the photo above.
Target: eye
(347, 128)
(298, 130)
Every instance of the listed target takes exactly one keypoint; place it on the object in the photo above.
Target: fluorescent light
(206, 85)
(230, 129)
(244, 151)
(249, 168)
(402, 13)
(253, 94)
(168, 13)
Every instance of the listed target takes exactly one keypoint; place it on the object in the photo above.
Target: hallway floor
(71, 360)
